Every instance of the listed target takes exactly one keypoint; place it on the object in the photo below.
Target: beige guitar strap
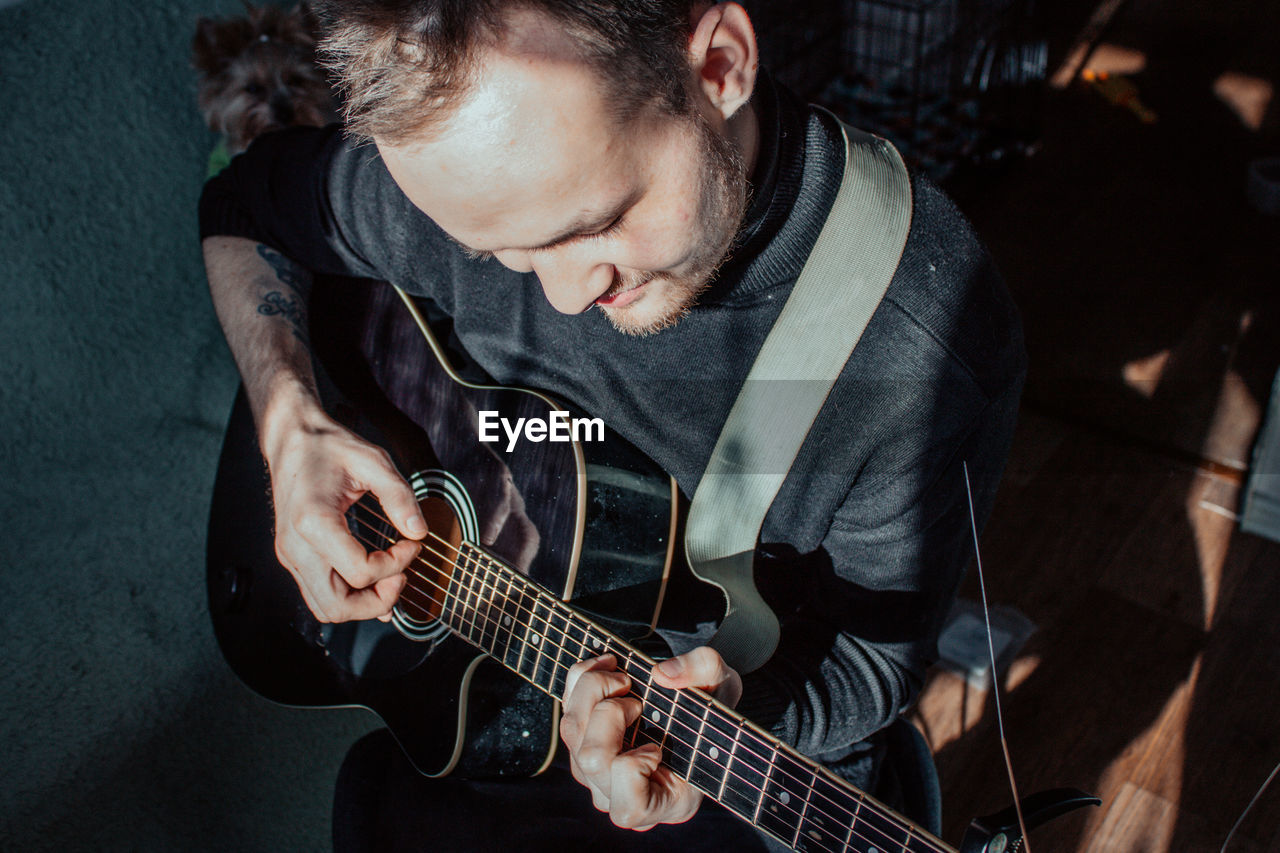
(842, 282)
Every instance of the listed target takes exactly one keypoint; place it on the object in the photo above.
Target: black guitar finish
(592, 524)
(599, 515)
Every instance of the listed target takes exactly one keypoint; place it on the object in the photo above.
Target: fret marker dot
(506, 620)
(534, 640)
(784, 798)
(595, 641)
(524, 733)
(872, 850)
(715, 753)
(655, 716)
(815, 835)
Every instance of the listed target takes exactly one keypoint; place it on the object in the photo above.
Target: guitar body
(592, 522)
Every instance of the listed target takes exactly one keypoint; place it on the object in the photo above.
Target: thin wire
(1248, 808)
(995, 677)
(555, 664)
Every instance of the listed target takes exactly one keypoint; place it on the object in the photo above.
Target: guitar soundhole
(430, 575)
(451, 522)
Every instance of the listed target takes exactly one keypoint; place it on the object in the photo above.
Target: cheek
(665, 242)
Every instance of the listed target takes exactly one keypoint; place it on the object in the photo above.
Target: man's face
(534, 169)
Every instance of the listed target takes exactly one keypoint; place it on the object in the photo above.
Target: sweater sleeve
(855, 646)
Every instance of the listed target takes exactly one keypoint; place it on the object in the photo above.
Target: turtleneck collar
(775, 186)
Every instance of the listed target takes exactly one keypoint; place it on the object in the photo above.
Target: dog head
(258, 73)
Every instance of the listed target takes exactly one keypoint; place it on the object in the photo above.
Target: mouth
(622, 294)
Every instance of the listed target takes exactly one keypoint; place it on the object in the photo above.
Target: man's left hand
(633, 786)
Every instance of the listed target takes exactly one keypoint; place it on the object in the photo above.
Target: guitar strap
(843, 280)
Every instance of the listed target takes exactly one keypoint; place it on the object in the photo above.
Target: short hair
(403, 65)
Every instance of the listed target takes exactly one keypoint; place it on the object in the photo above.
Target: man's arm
(318, 468)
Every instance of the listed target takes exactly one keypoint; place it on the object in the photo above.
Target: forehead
(533, 143)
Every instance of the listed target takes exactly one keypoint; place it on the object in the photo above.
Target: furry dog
(259, 73)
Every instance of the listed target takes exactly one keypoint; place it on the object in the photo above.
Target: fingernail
(671, 668)
(416, 526)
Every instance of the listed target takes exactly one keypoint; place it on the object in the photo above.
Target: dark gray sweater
(873, 515)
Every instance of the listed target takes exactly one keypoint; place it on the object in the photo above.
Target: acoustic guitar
(541, 554)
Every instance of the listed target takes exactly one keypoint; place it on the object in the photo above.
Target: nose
(571, 281)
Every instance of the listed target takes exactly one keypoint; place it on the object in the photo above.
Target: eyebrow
(584, 225)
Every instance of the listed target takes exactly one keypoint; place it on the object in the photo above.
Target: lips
(620, 298)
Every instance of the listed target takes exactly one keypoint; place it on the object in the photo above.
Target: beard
(721, 209)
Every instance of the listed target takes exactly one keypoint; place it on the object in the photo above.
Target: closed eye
(608, 231)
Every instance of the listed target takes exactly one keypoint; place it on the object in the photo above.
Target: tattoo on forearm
(291, 306)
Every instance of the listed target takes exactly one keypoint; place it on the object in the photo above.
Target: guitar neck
(746, 770)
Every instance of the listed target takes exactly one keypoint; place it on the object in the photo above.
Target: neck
(705, 743)
(743, 128)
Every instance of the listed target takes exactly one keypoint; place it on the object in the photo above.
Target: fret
(830, 813)
(878, 831)
(507, 618)
(537, 636)
(562, 649)
(523, 607)
(485, 588)
(659, 716)
(714, 744)
(535, 639)
(853, 824)
(449, 612)
(470, 600)
(799, 841)
(764, 786)
(749, 765)
(784, 796)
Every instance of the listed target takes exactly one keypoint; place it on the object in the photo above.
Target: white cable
(995, 677)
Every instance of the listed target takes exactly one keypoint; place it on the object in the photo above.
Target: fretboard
(746, 770)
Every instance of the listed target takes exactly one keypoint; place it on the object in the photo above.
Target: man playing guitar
(611, 202)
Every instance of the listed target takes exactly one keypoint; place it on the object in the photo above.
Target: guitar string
(734, 735)
(555, 665)
(736, 730)
(854, 815)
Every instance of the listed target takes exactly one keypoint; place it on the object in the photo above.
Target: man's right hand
(318, 467)
(318, 470)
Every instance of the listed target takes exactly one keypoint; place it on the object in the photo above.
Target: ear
(724, 57)
(206, 48)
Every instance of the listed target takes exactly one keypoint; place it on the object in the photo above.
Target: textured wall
(120, 727)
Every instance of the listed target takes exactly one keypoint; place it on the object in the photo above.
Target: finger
(326, 533)
(375, 473)
(602, 740)
(368, 603)
(308, 599)
(602, 662)
(306, 567)
(330, 536)
(598, 799)
(588, 688)
(635, 801)
(702, 668)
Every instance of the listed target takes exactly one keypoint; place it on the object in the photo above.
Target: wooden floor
(1151, 297)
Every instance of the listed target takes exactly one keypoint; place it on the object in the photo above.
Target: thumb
(702, 668)
(397, 499)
